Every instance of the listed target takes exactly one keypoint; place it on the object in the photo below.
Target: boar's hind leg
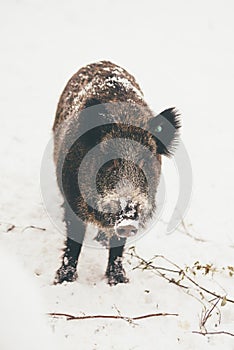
(115, 272)
(75, 236)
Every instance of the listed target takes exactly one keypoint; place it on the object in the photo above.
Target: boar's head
(127, 182)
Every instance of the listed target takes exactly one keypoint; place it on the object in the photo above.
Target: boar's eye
(164, 128)
(158, 128)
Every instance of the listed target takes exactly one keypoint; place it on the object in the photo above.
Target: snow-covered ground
(182, 54)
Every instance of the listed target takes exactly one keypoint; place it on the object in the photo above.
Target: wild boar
(107, 150)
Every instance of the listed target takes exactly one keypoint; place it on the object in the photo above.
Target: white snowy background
(182, 54)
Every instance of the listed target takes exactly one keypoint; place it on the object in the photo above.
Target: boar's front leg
(115, 272)
(75, 236)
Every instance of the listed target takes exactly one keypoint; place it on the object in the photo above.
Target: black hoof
(116, 274)
(65, 274)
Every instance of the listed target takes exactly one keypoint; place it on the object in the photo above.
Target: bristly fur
(103, 106)
(166, 125)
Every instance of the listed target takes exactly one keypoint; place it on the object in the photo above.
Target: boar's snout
(127, 222)
(127, 230)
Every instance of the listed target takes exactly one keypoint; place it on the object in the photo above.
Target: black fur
(120, 112)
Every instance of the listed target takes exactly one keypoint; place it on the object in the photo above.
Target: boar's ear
(165, 128)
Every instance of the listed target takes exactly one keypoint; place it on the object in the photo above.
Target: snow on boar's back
(107, 151)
